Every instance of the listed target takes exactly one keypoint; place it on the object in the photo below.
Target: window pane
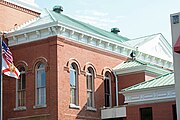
(40, 66)
(21, 69)
(146, 113)
(19, 83)
(89, 82)
(21, 98)
(73, 84)
(41, 84)
(89, 99)
(107, 100)
(174, 112)
(38, 79)
(41, 77)
(108, 86)
(107, 90)
(73, 96)
(38, 96)
(72, 78)
(23, 81)
(41, 94)
(21, 86)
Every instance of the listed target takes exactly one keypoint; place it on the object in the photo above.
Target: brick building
(73, 70)
(14, 14)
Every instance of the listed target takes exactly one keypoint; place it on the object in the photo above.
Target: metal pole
(1, 79)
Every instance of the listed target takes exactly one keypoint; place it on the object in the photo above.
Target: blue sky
(134, 18)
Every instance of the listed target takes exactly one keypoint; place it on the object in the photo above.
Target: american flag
(7, 53)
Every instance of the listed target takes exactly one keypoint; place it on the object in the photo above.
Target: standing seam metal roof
(51, 16)
(129, 64)
(164, 80)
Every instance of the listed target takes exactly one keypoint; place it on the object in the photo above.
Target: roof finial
(133, 55)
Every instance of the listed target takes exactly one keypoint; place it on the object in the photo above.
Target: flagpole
(1, 78)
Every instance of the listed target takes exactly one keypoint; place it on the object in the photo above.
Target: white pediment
(155, 45)
(158, 48)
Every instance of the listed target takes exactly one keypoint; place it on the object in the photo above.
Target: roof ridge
(96, 30)
(87, 25)
(146, 36)
(23, 24)
(138, 61)
(53, 18)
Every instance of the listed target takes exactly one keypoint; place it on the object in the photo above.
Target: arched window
(40, 84)
(107, 89)
(74, 84)
(21, 88)
(90, 87)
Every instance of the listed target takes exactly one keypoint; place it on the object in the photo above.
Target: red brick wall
(13, 15)
(128, 80)
(30, 53)
(161, 111)
(83, 54)
(58, 51)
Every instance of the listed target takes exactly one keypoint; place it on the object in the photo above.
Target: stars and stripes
(6, 52)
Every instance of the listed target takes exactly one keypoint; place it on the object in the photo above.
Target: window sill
(20, 108)
(74, 106)
(40, 106)
(91, 109)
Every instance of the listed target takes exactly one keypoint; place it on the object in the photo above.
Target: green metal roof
(129, 64)
(164, 80)
(51, 16)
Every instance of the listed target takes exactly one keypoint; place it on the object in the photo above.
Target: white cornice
(145, 68)
(150, 95)
(57, 28)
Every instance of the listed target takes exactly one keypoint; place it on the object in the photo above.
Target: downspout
(116, 82)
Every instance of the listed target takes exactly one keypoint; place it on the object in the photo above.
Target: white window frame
(36, 95)
(23, 107)
(90, 72)
(76, 98)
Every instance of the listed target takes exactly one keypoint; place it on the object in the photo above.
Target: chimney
(115, 30)
(58, 9)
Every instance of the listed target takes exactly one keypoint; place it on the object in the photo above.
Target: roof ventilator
(58, 9)
(115, 30)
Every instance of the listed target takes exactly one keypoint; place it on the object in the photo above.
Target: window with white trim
(107, 89)
(40, 85)
(21, 88)
(90, 87)
(73, 84)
